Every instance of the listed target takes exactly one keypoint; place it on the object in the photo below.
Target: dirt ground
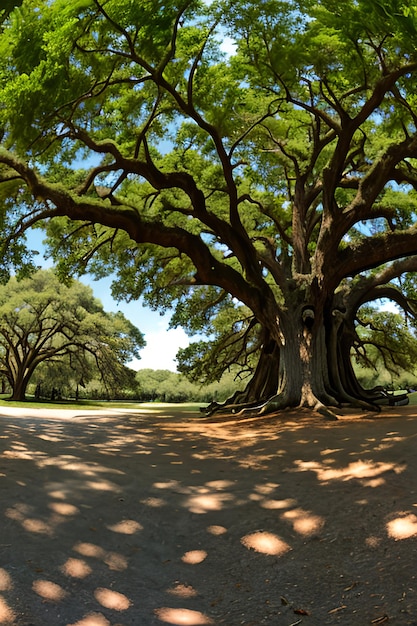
(151, 518)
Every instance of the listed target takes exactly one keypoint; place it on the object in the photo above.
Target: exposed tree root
(281, 402)
(327, 413)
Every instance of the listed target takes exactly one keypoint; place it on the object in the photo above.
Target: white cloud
(161, 349)
(228, 46)
(389, 306)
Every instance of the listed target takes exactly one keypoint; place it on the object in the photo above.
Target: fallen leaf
(301, 612)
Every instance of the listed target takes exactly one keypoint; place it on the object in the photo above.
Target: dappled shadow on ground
(152, 519)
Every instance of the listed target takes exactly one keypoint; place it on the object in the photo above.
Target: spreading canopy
(44, 321)
(273, 187)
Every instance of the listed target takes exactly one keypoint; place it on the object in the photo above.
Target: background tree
(42, 320)
(385, 349)
(167, 386)
(274, 188)
(89, 383)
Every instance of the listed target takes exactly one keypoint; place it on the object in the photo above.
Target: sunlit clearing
(220, 484)
(113, 560)
(209, 502)
(216, 530)
(89, 549)
(49, 438)
(59, 494)
(304, 522)
(62, 508)
(357, 469)
(330, 451)
(21, 452)
(5, 580)
(403, 527)
(48, 590)
(388, 442)
(6, 614)
(374, 482)
(278, 504)
(183, 591)
(182, 617)
(37, 526)
(169, 484)
(74, 464)
(194, 556)
(102, 485)
(112, 599)
(94, 619)
(265, 542)
(126, 527)
(18, 511)
(266, 488)
(76, 568)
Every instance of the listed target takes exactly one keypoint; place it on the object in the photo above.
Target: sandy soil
(152, 518)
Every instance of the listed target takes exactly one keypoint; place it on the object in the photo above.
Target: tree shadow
(158, 518)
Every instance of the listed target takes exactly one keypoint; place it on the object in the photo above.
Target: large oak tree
(44, 321)
(269, 192)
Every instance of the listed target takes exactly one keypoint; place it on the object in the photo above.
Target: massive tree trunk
(293, 369)
(303, 369)
(19, 386)
(305, 362)
(20, 370)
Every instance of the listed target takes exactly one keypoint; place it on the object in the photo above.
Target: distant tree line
(167, 386)
(145, 385)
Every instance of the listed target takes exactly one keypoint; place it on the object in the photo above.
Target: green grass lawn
(65, 404)
(98, 404)
(187, 407)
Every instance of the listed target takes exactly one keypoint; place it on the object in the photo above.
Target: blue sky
(162, 344)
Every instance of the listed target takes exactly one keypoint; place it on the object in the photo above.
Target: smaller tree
(384, 349)
(45, 321)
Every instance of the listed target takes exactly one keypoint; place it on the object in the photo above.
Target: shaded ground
(157, 518)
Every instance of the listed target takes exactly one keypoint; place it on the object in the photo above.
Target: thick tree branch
(60, 202)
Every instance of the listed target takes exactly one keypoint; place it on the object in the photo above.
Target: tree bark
(307, 363)
(292, 370)
(20, 384)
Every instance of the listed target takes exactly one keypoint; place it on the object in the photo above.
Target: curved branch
(374, 251)
(211, 271)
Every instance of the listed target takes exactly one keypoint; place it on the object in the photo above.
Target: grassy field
(96, 404)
